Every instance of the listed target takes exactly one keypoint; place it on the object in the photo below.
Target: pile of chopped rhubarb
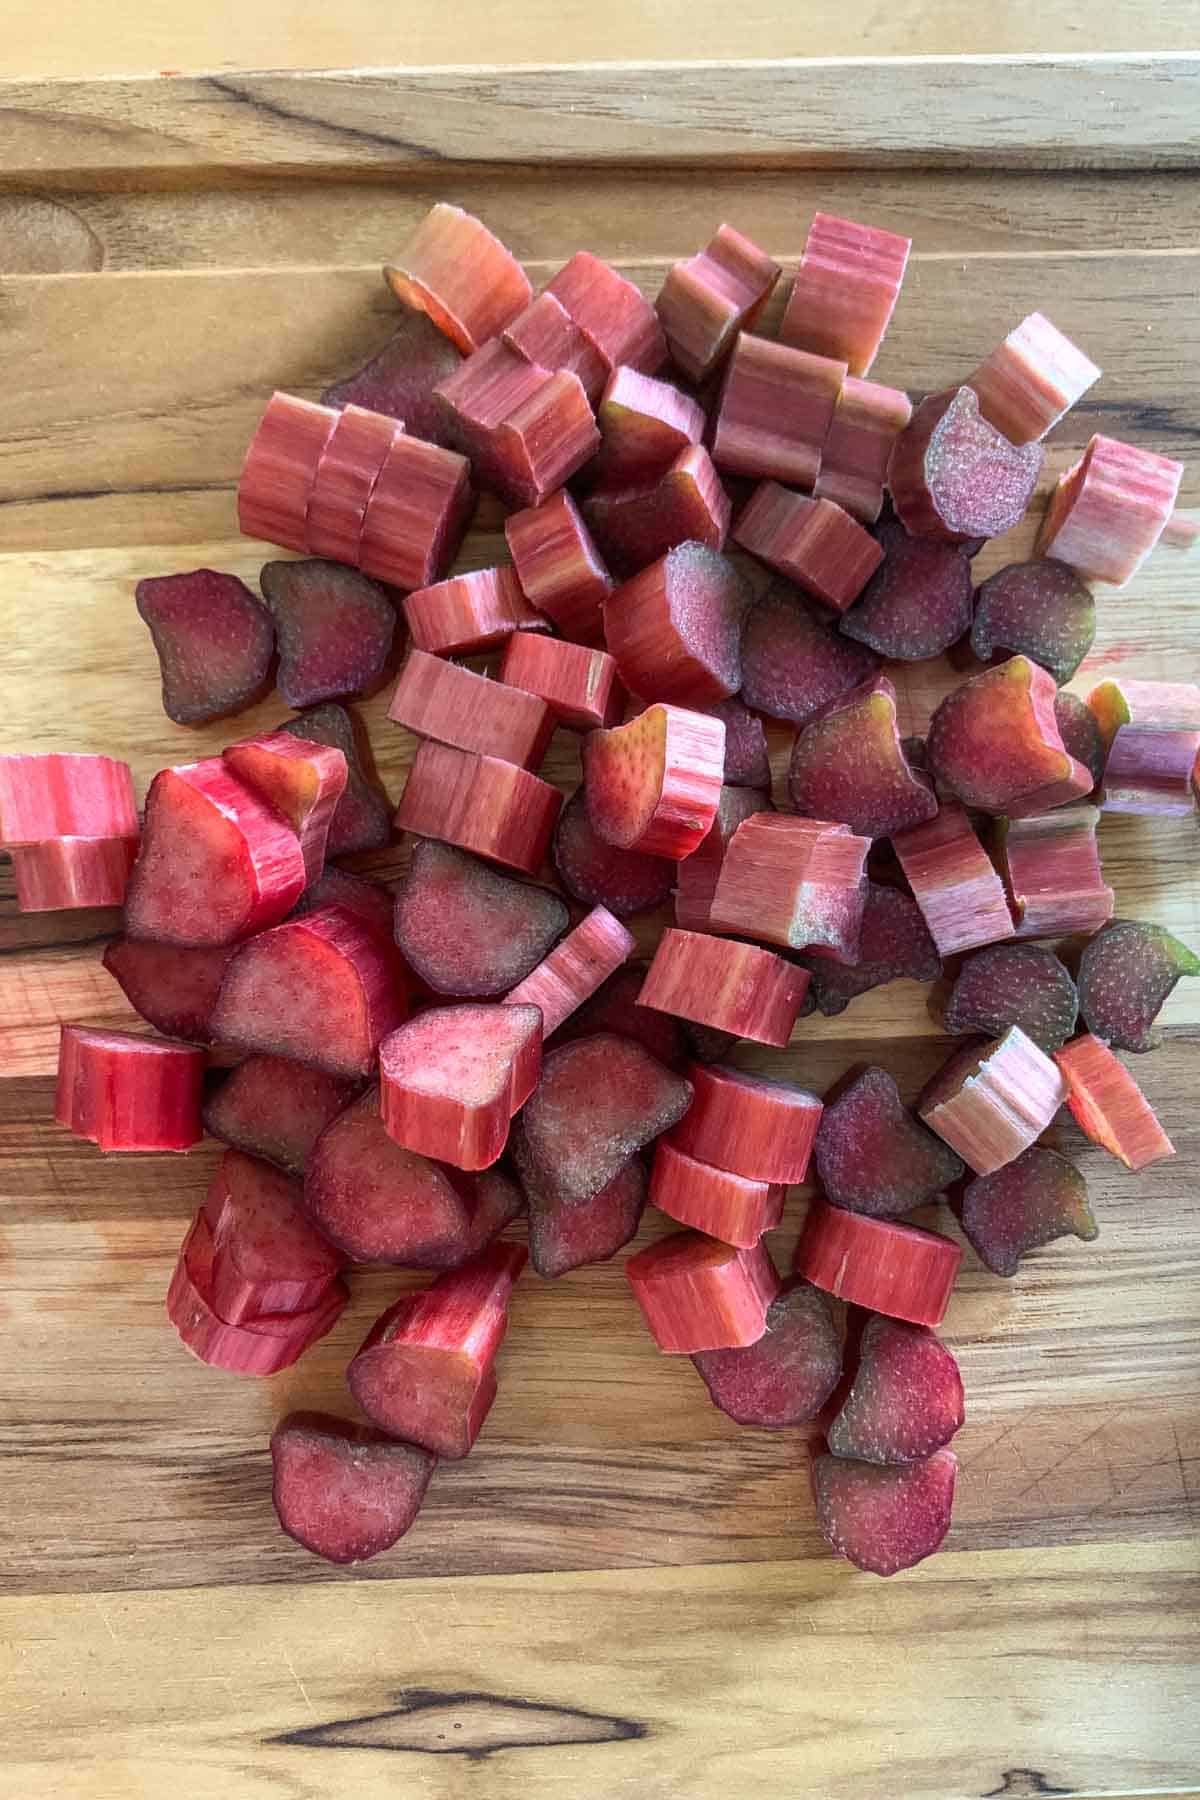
(720, 539)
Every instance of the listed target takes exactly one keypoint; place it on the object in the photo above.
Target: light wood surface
(620, 1593)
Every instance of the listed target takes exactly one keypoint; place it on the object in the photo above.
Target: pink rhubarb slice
(776, 407)
(417, 514)
(884, 1518)
(794, 882)
(675, 628)
(849, 764)
(441, 700)
(755, 1126)
(1052, 872)
(995, 743)
(260, 1346)
(480, 804)
(644, 424)
(1109, 510)
(559, 567)
(1108, 1105)
(574, 969)
(67, 873)
(727, 985)
(469, 931)
(866, 422)
(614, 1008)
(1151, 735)
(845, 290)
(707, 299)
(350, 464)
(343, 1491)
(611, 312)
(1040, 609)
(960, 895)
(954, 476)
(698, 874)
(653, 785)
(213, 639)
(128, 1093)
(698, 1294)
(64, 795)
(276, 1109)
(815, 543)
(463, 277)
(877, 1263)
(470, 612)
(334, 628)
(303, 781)
(546, 334)
(268, 1257)
(730, 1207)
(453, 1077)
(992, 1102)
(362, 817)
(279, 469)
(788, 1375)
(918, 603)
(1030, 380)
(578, 684)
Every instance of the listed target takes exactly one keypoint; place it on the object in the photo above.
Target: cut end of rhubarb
(1014, 984)
(989, 1104)
(849, 764)
(728, 986)
(1033, 1201)
(174, 988)
(1126, 973)
(277, 1109)
(598, 874)
(453, 1077)
(466, 929)
(918, 603)
(907, 1397)
(674, 629)
(995, 743)
(894, 943)
(380, 1203)
(872, 1155)
(362, 817)
(793, 663)
(884, 1519)
(1108, 1105)
(787, 1376)
(954, 476)
(566, 1235)
(653, 785)
(344, 1491)
(399, 379)
(334, 627)
(1039, 609)
(214, 641)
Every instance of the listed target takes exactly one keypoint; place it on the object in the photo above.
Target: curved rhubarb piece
(481, 804)
(653, 785)
(463, 277)
(469, 612)
(611, 312)
(174, 988)
(259, 1347)
(442, 700)
(559, 567)
(400, 378)
(496, 1202)
(66, 873)
(845, 290)
(479, 396)
(467, 930)
(350, 464)
(366, 900)
(754, 1126)
(546, 334)
(872, 1155)
(122, 1092)
(730, 1207)
(362, 817)
(686, 504)
(452, 1078)
(644, 424)
(1126, 974)
(1014, 984)
(775, 409)
(526, 430)
(64, 795)
(993, 1102)
(574, 969)
(707, 299)
(698, 874)
(426, 1369)
(698, 1294)
(334, 628)
(794, 882)
(894, 942)
(995, 743)
(1108, 1105)
(303, 781)
(849, 764)
(614, 1009)
(788, 1375)
(960, 895)
(884, 1519)
(1109, 510)
(1030, 1202)
(747, 762)
(275, 1108)
(1052, 872)
(267, 1256)
(213, 639)
(343, 1491)
(1031, 380)
(918, 603)
(564, 1236)
(598, 874)
(729, 986)
(866, 422)
(674, 629)
(815, 543)
(876, 1263)
(1151, 734)
(1040, 609)
(954, 476)
(793, 663)
(579, 685)
(418, 511)
(907, 1397)
(279, 469)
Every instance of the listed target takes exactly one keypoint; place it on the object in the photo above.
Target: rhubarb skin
(707, 299)
(729, 986)
(653, 785)
(480, 804)
(267, 1256)
(455, 706)
(698, 1294)
(1031, 380)
(848, 764)
(258, 1347)
(960, 895)
(1030, 1202)
(417, 514)
(722, 1205)
(303, 781)
(362, 817)
(563, 1236)
(888, 1268)
(644, 424)
(611, 312)
(453, 1077)
(67, 873)
(1052, 871)
(575, 968)
(885, 1518)
(275, 1108)
(845, 290)
(400, 378)
(995, 743)
(687, 504)
(953, 476)
(426, 1370)
(1109, 511)
(1108, 1105)
(674, 629)
(463, 277)
(216, 862)
(788, 1375)
(756, 1127)
(815, 543)
(343, 1491)
(697, 876)
(547, 335)
(174, 989)
(559, 567)
(279, 469)
(991, 1103)
(794, 882)
(346, 474)
(470, 612)
(866, 422)
(578, 684)
(63, 795)
(123, 1092)
(776, 407)
(214, 640)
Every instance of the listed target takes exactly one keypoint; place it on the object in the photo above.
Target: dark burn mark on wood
(431, 1723)
(1016, 1782)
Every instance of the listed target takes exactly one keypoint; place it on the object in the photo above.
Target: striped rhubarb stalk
(302, 780)
(845, 290)
(1031, 379)
(1108, 1105)
(866, 422)
(579, 685)
(279, 469)
(878, 1264)
(65, 794)
(525, 429)
(675, 628)
(960, 895)
(66, 873)
(990, 1104)
(481, 804)
(1109, 511)
(1052, 872)
(775, 411)
(644, 425)
(706, 300)
(546, 334)
(559, 567)
(470, 612)
(122, 1092)
(611, 312)
(751, 1125)
(463, 277)
(418, 511)
(815, 543)
(727, 985)
(653, 785)
(575, 968)
(686, 505)
(1151, 735)
(698, 1294)
(354, 454)
(730, 1207)
(697, 875)
(794, 882)
(439, 699)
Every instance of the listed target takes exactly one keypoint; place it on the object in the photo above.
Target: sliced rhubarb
(343, 1491)
(866, 422)
(574, 969)
(729, 986)
(884, 1519)
(175, 989)
(598, 874)
(268, 1257)
(1108, 1105)
(730, 1207)
(63, 795)
(752, 1125)
(872, 1155)
(894, 942)
(960, 895)
(1030, 380)
(918, 603)
(400, 378)
(480, 395)
(614, 1008)
(578, 684)
(546, 334)
(653, 785)
(1030, 1202)
(1040, 609)
(216, 864)
(954, 476)
(849, 764)
(705, 1044)
(788, 1375)
(876, 1263)
(815, 543)
(426, 1369)
(441, 700)
(368, 901)
(1080, 733)
(1014, 984)
(1126, 974)
(214, 641)
(686, 504)
(698, 874)
(559, 567)
(611, 312)
(747, 762)
(453, 1077)
(698, 1294)
(463, 277)
(279, 469)
(419, 509)
(1151, 733)
(1053, 874)
(469, 612)
(995, 743)
(674, 629)
(128, 1093)
(907, 1397)
(793, 663)
(258, 1347)
(481, 804)
(71, 872)
(845, 290)
(706, 300)
(564, 1235)
(277, 1109)
(362, 817)
(1109, 510)
(350, 465)
(644, 424)
(525, 430)
(469, 931)
(334, 628)
(794, 882)
(496, 1202)
(776, 406)
(991, 1103)
(303, 781)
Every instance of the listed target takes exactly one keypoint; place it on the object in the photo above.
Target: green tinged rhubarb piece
(1126, 973)
(1033, 1200)
(1014, 984)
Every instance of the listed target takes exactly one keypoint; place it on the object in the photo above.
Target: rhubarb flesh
(175, 989)
(260, 1346)
(674, 629)
(334, 628)
(1033, 1201)
(579, 685)
(559, 567)
(1108, 1105)
(279, 469)
(276, 1109)
(303, 781)
(213, 640)
(526, 430)
(686, 504)
(776, 406)
(729, 986)
(794, 882)
(849, 764)
(347, 472)
(496, 1202)
(441, 700)
(1014, 984)
(877, 1263)
(894, 942)
(990, 1104)
(67, 873)
(872, 1155)
(1053, 874)
(362, 817)
(1030, 380)
(697, 1294)
(1109, 511)
(380, 1203)
(707, 299)
(907, 1397)
(467, 930)
(453, 1077)
(128, 1093)
(1039, 609)
(918, 603)
(1126, 974)
(368, 901)
(598, 874)
(399, 379)
(573, 971)
(995, 743)
(960, 895)
(614, 1008)
(65, 795)
(793, 663)
(815, 543)
(653, 785)
(480, 804)
(268, 1257)
(469, 612)
(954, 476)
(564, 1235)
(867, 421)
(1151, 735)
(418, 512)
(343, 1491)
(463, 277)
(884, 1518)
(845, 290)
(611, 312)
(788, 1375)
(644, 424)
(730, 1207)
(756, 1127)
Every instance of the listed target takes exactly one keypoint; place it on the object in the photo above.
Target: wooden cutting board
(620, 1593)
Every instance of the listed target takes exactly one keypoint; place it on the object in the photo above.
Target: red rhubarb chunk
(350, 465)
(467, 930)
(343, 1491)
(867, 421)
(598, 874)
(1108, 1106)
(268, 1257)
(438, 699)
(849, 764)
(578, 684)
(1040, 609)
(876, 1263)
(723, 1205)
(545, 334)
(470, 612)
(1080, 733)
(1014, 984)
(463, 277)
(334, 627)
(845, 290)
(257, 1347)
(788, 1375)
(674, 629)
(954, 476)
(894, 942)
(729, 986)
(872, 1155)
(122, 1092)
(990, 1103)
(705, 301)
(918, 603)
(495, 1203)
(793, 663)
(884, 1519)
(419, 509)
(277, 1109)
(776, 406)
(1126, 974)
(399, 379)
(481, 804)
(1052, 872)
(614, 1008)
(573, 971)
(752, 1125)
(214, 641)
(960, 895)
(747, 763)
(653, 785)
(1031, 379)
(794, 882)
(280, 468)
(1033, 1201)
(995, 743)
(686, 504)
(644, 424)
(559, 567)
(303, 781)
(566, 1235)
(907, 1397)
(1109, 511)
(611, 312)
(65, 795)
(698, 875)
(1151, 734)
(67, 873)
(175, 989)
(698, 1294)
(453, 1077)
(362, 817)
(815, 543)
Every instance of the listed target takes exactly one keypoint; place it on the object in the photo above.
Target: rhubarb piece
(350, 464)
(547, 335)
(362, 817)
(600, 1100)
(1109, 510)
(334, 628)
(453, 1077)
(707, 300)
(747, 763)
(440, 700)
(698, 875)
(1030, 380)
(565, 1236)
(876, 1263)
(788, 1375)
(687, 504)
(730, 1207)
(674, 629)
(559, 567)
(849, 764)
(794, 882)
(815, 543)
(1080, 733)
(1108, 1105)
(579, 685)
(426, 1369)
(481, 804)
(866, 422)
(758, 1128)
(775, 409)
(67, 873)
(1151, 735)
(960, 895)
(128, 1093)
(268, 1257)
(611, 312)
(954, 476)
(653, 785)
(1053, 874)
(279, 469)
(380, 1203)
(463, 277)
(467, 930)
(1040, 609)
(65, 795)
(276, 1109)
(496, 1203)
(730, 986)
(368, 901)
(214, 640)
(614, 1008)
(260, 1346)
(173, 988)
(596, 873)
(483, 392)
(845, 290)
(697, 1294)
(1126, 974)
(216, 862)
(399, 379)
(872, 1155)
(883, 1518)
(303, 781)
(343, 1491)
(918, 603)
(894, 941)
(793, 664)
(320, 989)
(992, 1102)
(995, 743)
(1033, 1201)
(419, 509)
(1014, 984)
(469, 612)
(573, 971)
(907, 1397)
(644, 424)
(525, 430)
